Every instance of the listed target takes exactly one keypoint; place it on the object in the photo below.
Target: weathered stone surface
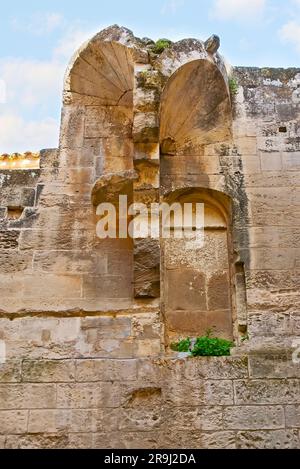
(146, 268)
(278, 439)
(198, 418)
(273, 366)
(214, 368)
(27, 396)
(47, 371)
(108, 188)
(10, 371)
(13, 421)
(200, 393)
(88, 365)
(106, 370)
(267, 391)
(253, 417)
(292, 415)
(88, 396)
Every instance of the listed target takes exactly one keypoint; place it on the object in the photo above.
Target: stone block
(56, 240)
(186, 322)
(218, 440)
(70, 262)
(216, 368)
(197, 418)
(106, 370)
(271, 161)
(48, 371)
(108, 286)
(218, 291)
(292, 416)
(273, 365)
(62, 420)
(10, 371)
(37, 441)
(199, 392)
(72, 128)
(146, 268)
(108, 121)
(13, 421)
(88, 396)
(52, 286)
(277, 439)
(267, 391)
(9, 239)
(291, 161)
(139, 420)
(253, 418)
(145, 127)
(189, 293)
(246, 145)
(27, 396)
(147, 348)
(108, 327)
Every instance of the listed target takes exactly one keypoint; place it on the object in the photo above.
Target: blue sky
(37, 39)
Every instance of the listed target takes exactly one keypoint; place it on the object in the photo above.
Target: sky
(38, 38)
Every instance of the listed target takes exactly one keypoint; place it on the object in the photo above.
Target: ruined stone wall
(86, 322)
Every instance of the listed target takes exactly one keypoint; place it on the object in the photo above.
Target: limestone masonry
(87, 323)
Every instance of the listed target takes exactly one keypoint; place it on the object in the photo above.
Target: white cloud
(39, 24)
(290, 34)
(2, 91)
(239, 10)
(18, 134)
(33, 89)
(172, 6)
(31, 83)
(71, 41)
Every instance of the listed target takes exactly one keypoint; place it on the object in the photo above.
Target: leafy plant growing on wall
(182, 346)
(161, 45)
(233, 86)
(206, 346)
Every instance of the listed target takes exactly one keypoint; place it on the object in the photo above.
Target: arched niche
(97, 113)
(96, 148)
(198, 277)
(195, 109)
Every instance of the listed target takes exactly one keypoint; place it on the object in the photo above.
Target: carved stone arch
(195, 113)
(96, 145)
(97, 114)
(195, 109)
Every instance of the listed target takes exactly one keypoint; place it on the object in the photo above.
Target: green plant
(182, 346)
(233, 86)
(211, 347)
(161, 45)
(206, 346)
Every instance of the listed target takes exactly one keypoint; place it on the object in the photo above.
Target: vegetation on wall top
(161, 45)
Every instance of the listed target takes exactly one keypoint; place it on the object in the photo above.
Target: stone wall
(86, 322)
(144, 403)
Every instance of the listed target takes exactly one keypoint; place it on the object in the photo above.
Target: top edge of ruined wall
(167, 62)
(261, 76)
